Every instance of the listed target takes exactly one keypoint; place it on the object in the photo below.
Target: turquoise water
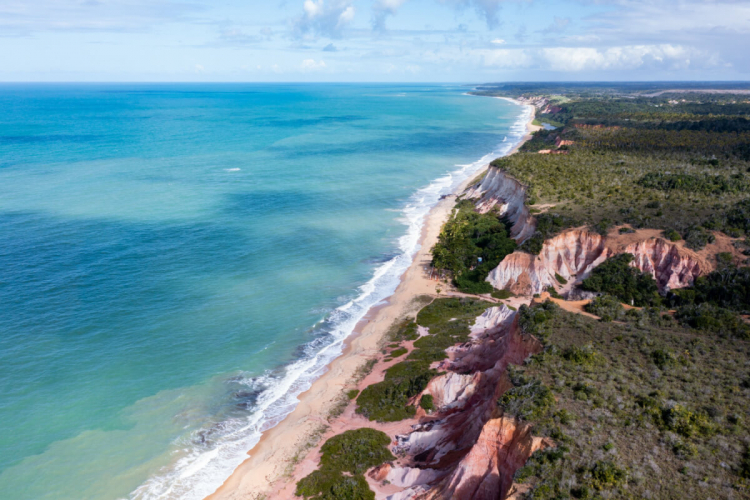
(178, 262)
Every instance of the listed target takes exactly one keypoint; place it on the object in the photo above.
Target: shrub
(685, 422)
(672, 235)
(470, 245)
(388, 401)
(727, 288)
(696, 238)
(407, 330)
(711, 318)
(397, 352)
(580, 356)
(501, 294)
(662, 358)
(616, 277)
(527, 399)
(426, 402)
(560, 279)
(534, 244)
(352, 452)
(606, 475)
(607, 307)
(351, 394)
(533, 320)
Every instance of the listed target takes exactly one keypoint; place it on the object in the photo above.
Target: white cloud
(199, 68)
(347, 16)
(381, 9)
(322, 18)
(312, 65)
(498, 41)
(571, 59)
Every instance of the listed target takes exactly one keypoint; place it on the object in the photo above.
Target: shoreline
(281, 447)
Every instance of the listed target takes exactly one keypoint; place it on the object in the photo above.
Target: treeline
(470, 246)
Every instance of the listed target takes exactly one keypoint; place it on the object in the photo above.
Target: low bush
(616, 277)
(344, 460)
(388, 401)
(426, 402)
(607, 307)
(711, 318)
(501, 294)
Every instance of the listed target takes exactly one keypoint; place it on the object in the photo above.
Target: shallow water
(179, 261)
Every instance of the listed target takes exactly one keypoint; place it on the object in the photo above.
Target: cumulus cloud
(498, 41)
(309, 65)
(381, 9)
(324, 18)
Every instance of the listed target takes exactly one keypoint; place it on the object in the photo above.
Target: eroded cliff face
(502, 192)
(487, 470)
(465, 449)
(573, 254)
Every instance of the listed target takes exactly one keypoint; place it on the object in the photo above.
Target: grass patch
(344, 460)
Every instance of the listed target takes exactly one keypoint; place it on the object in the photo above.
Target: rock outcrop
(573, 254)
(487, 470)
(502, 192)
(442, 449)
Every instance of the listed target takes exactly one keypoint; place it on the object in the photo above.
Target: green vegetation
(607, 307)
(706, 184)
(560, 279)
(547, 226)
(448, 321)
(616, 277)
(728, 288)
(470, 245)
(426, 402)
(397, 352)
(630, 404)
(535, 320)
(344, 460)
(352, 393)
(501, 294)
(388, 401)
(675, 162)
(406, 330)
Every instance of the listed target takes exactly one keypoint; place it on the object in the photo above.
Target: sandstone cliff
(500, 191)
(574, 253)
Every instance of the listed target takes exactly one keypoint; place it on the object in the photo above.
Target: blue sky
(373, 40)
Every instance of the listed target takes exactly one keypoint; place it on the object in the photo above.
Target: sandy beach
(286, 451)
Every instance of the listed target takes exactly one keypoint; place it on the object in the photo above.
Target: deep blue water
(177, 262)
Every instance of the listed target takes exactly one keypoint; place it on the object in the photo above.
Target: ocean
(179, 261)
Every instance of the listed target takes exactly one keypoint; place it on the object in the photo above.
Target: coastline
(281, 447)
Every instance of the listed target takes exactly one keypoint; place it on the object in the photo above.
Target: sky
(374, 40)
